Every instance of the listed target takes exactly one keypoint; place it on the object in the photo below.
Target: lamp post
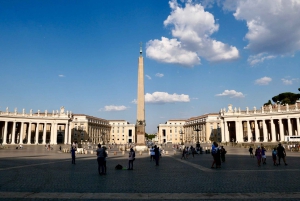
(197, 130)
(181, 136)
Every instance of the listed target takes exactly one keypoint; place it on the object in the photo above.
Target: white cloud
(192, 27)
(263, 81)
(232, 94)
(147, 76)
(170, 51)
(61, 76)
(273, 25)
(109, 108)
(289, 81)
(164, 97)
(259, 58)
(159, 75)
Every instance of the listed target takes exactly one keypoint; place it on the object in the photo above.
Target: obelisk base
(141, 148)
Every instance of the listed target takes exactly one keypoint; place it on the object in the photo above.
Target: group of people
(277, 153)
(155, 154)
(218, 154)
(186, 151)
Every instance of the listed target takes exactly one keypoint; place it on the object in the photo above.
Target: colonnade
(260, 130)
(39, 132)
(98, 135)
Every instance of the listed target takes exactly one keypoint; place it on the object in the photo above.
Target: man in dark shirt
(73, 154)
(281, 153)
(156, 155)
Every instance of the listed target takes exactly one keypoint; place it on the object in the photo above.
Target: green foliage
(286, 98)
(149, 136)
(268, 103)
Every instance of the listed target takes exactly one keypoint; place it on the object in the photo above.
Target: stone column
(249, 131)
(29, 134)
(257, 134)
(37, 134)
(44, 133)
(13, 135)
(265, 131)
(273, 131)
(281, 132)
(70, 135)
(226, 133)
(298, 126)
(66, 133)
(5, 133)
(290, 126)
(238, 135)
(55, 133)
(21, 132)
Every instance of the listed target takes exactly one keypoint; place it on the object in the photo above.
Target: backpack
(119, 167)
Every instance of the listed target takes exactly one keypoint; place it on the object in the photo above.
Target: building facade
(85, 128)
(204, 128)
(122, 132)
(271, 123)
(35, 128)
(171, 132)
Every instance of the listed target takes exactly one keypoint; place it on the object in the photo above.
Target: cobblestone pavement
(37, 174)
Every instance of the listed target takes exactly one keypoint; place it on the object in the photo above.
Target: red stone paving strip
(151, 196)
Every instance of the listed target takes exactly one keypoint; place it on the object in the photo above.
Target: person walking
(274, 157)
(73, 155)
(258, 155)
(152, 154)
(183, 154)
(100, 160)
(223, 152)
(251, 152)
(281, 154)
(214, 150)
(156, 151)
(131, 159)
(263, 155)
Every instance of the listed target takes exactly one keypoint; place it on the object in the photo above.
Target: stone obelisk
(140, 121)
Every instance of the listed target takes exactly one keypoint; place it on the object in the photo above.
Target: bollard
(167, 152)
(92, 152)
(123, 153)
(115, 153)
(140, 152)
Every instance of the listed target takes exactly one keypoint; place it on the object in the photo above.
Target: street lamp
(197, 130)
(181, 136)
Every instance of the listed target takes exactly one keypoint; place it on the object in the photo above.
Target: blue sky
(199, 56)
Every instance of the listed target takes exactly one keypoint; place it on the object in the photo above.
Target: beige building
(271, 123)
(171, 132)
(85, 128)
(122, 132)
(204, 128)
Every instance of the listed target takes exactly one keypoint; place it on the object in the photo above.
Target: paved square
(37, 174)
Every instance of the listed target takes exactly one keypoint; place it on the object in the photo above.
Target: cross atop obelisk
(140, 121)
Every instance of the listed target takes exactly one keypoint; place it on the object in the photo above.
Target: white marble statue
(7, 109)
(62, 110)
(30, 111)
(16, 110)
(23, 111)
(247, 110)
(287, 107)
(46, 112)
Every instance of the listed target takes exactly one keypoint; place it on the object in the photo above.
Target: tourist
(263, 155)
(193, 151)
(73, 155)
(281, 154)
(100, 159)
(131, 159)
(214, 150)
(223, 152)
(258, 155)
(183, 154)
(156, 151)
(251, 152)
(152, 154)
(274, 156)
(218, 157)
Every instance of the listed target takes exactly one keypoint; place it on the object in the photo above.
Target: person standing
(131, 159)
(100, 160)
(281, 154)
(263, 155)
(156, 155)
(214, 150)
(258, 155)
(73, 155)
(152, 154)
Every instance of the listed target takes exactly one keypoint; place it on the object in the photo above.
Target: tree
(268, 103)
(286, 98)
